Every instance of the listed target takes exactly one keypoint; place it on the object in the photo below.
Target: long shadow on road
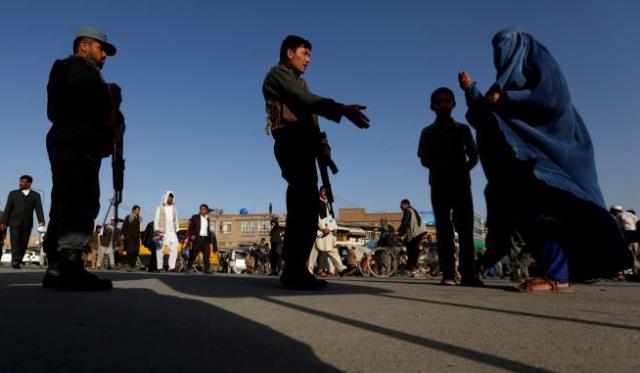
(128, 330)
(503, 311)
(515, 312)
(462, 352)
(263, 289)
(420, 282)
(138, 329)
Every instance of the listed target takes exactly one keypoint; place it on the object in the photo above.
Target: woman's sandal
(544, 285)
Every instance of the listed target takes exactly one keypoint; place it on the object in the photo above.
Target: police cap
(95, 33)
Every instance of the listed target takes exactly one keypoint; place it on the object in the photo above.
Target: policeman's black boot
(74, 277)
(50, 279)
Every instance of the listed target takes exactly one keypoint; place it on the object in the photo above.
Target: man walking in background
(148, 240)
(109, 242)
(94, 246)
(166, 225)
(131, 236)
(3, 234)
(202, 237)
(627, 221)
(412, 229)
(18, 216)
(275, 254)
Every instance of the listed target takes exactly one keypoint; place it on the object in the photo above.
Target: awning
(353, 231)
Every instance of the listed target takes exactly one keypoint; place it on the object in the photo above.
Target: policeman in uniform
(292, 120)
(81, 108)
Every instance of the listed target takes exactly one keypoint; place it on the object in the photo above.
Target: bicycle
(388, 261)
(356, 262)
(383, 261)
(426, 265)
(182, 262)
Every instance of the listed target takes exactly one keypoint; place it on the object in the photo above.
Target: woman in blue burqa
(538, 159)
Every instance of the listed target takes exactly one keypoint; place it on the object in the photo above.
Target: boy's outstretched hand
(355, 115)
(465, 80)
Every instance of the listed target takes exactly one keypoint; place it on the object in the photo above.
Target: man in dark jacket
(3, 233)
(293, 121)
(201, 236)
(18, 216)
(275, 254)
(131, 236)
(149, 243)
(412, 229)
(83, 115)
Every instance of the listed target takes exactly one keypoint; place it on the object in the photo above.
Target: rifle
(117, 157)
(325, 163)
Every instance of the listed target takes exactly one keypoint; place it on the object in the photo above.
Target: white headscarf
(163, 201)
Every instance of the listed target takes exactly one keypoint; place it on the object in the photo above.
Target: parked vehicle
(233, 260)
(33, 255)
(256, 261)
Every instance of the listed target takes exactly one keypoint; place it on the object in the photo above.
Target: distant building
(356, 226)
(234, 230)
(358, 217)
(370, 222)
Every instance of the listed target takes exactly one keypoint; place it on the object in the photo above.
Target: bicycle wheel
(383, 263)
(266, 267)
(401, 254)
(423, 261)
(181, 263)
(363, 266)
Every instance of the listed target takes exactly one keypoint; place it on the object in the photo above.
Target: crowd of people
(542, 193)
(122, 245)
(115, 246)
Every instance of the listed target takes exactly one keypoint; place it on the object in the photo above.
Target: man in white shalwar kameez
(166, 223)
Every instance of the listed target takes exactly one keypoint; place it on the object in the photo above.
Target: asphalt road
(223, 323)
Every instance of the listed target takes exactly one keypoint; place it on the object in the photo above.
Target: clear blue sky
(191, 73)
